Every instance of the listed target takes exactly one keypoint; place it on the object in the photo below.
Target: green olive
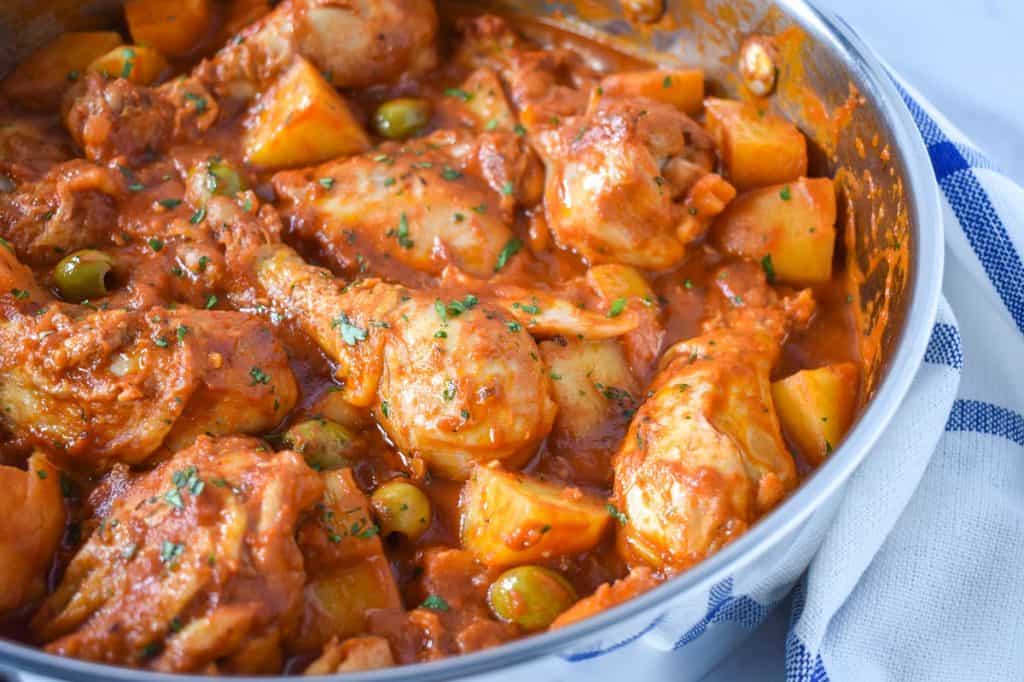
(530, 596)
(224, 180)
(399, 119)
(323, 444)
(83, 275)
(401, 507)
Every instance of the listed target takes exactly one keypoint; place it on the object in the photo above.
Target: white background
(967, 58)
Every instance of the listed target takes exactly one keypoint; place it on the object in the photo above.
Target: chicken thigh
(195, 569)
(93, 387)
(616, 178)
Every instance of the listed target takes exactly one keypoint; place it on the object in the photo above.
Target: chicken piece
(453, 616)
(352, 655)
(356, 43)
(30, 146)
(457, 390)
(444, 200)
(117, 118)
(196, 564)
(608, 595)
(617, 179)
(72, 206)
(545, 313)
(704, 456)
(31, 525)
(452, 382)
(94, 387)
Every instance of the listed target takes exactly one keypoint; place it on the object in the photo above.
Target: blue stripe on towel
(976, 416)
(954, 166)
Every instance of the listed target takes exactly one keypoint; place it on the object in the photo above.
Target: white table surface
(967, 58)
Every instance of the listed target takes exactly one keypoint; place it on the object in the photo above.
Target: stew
(340, 335)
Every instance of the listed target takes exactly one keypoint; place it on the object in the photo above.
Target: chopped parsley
(513, 326)
(161, 342)
(173, 498)
(614, 512)
(181, 331)
(41, 474)
(129, 64)
(511, 248)
(197, 100)
(450, 389)
(169, 203)
(528, 309)
(435, 603)
(211, 301)
(492, 124)
(450, 174)
(508, 189)
(520, 130)
(155, 244)
(259, 376)
(768, 267)
(350, 333)
(459, 93)
(199, 216)
(19, 294)
(456, 307)
(170, 552)
(385, 408)
(786, 194)
(667, 83)
(402, 233)
(618, 305)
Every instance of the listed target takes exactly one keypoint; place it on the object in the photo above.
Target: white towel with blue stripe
(922, 575)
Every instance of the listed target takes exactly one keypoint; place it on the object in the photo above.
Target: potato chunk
(301, 120)
(173, 27)
(816, 407)
(139, 64)
(683, 89)
(758, 148)
(349, 573)
(789, 228)
(509, 519)
(40, 81)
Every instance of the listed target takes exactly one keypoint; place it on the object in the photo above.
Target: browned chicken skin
(195, 565)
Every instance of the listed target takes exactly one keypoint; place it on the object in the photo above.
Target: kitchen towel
(922, 575)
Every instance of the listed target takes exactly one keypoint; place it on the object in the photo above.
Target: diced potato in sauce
(510, 519)
(757, 147)
(683, 89)
(137, 63)
(40, 80)
(349, 573)
(816, 407)
(302, 120)
(170, 26)
(789, 228)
